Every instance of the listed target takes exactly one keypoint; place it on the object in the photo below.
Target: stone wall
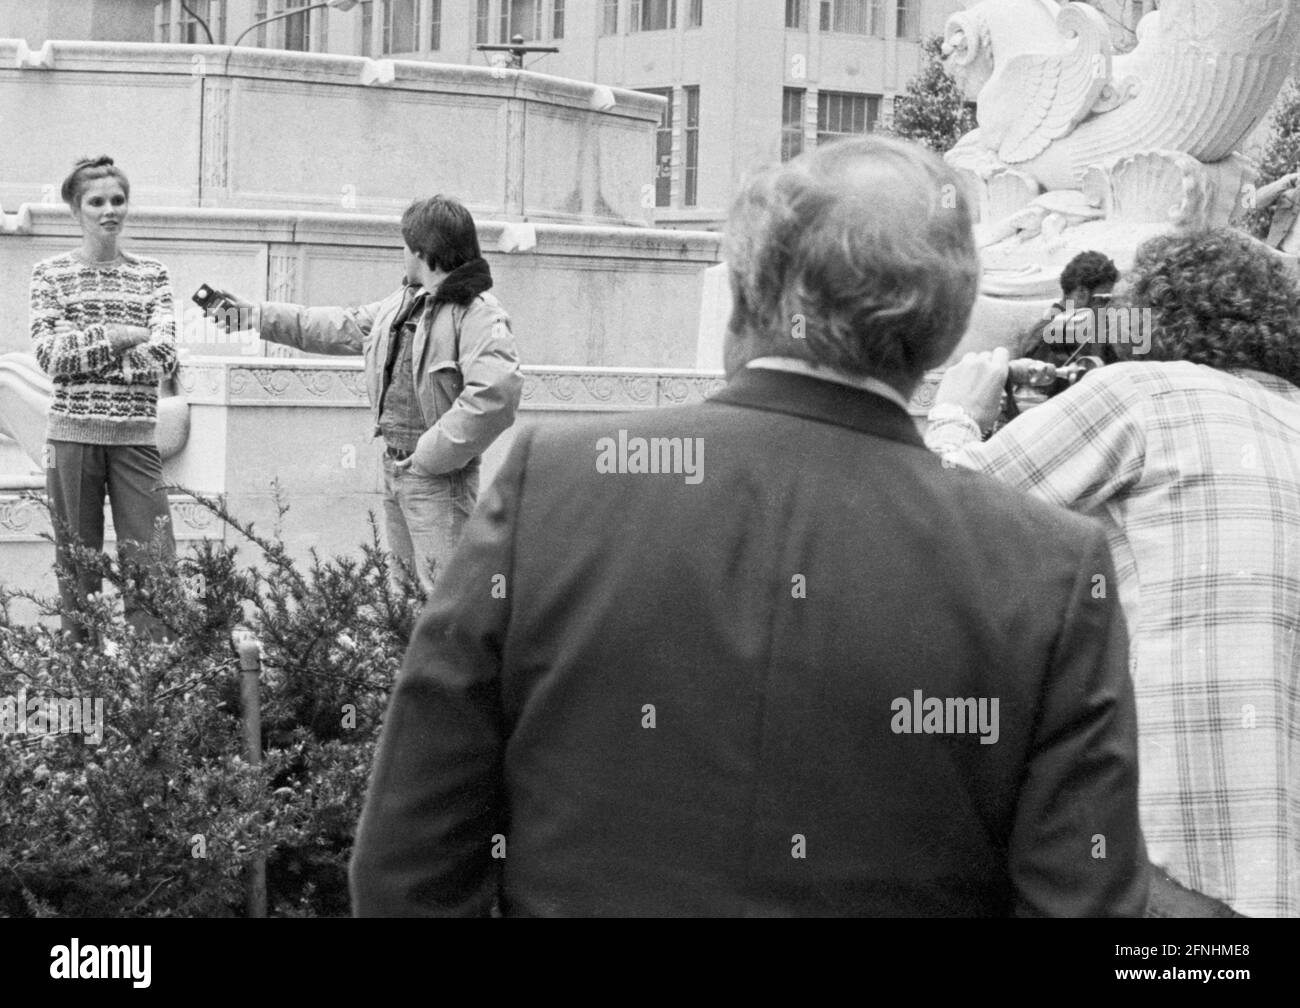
(214, 126)
(577, 295)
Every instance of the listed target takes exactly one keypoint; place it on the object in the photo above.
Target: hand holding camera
(235, 314)
(983, 385)
(975, 383)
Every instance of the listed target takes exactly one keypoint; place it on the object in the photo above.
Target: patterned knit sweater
(103, 396)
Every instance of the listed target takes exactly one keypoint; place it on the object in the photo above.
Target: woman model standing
(104, 331)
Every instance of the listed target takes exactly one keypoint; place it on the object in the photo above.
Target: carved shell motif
(1160, 187)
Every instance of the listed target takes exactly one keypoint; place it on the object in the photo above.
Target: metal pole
(250, 665)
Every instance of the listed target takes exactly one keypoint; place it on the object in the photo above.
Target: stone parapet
(252, 128)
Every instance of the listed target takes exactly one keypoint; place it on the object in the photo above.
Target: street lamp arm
(286, 14)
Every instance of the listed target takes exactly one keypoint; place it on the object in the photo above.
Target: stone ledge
(251, 227)
(605, 389)
(204, 61)
(235, 381)
(308, 381)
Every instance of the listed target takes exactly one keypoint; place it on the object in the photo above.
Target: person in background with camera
(104, 330)
(1087, 283)
(1193, 459)
(442, 373)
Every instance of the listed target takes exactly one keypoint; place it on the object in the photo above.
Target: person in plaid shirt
(1192, 458)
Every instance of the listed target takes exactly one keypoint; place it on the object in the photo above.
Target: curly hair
(1218, 298)
(1088, 270)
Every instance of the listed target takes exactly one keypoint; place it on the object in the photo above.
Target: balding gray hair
(858, 255)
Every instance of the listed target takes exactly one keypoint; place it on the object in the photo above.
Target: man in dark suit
(763, 655)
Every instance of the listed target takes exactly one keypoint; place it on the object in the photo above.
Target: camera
(1045, 376)
(1031, 382)
(210, 299)
(221, 307)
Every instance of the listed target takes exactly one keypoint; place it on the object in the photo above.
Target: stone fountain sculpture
(1079, 148)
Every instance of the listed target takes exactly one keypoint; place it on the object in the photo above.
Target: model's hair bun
(86, 170)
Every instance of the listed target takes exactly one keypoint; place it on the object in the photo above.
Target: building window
(521, 17)
(653, 15)
(792, 106)
(217, 20)
(841, 115)
(695, 17)
(295, 29)
(609, 17)
(664, 149)
(856, 17)
(188, 29)
(364, 44)
(190, 33)
(692, 173)
(305, 31)
(794, 13)
(908, 19)
(483, 23)
(401, 26)
(435, 25)
(557, 20)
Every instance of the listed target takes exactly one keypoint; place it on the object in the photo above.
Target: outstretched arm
(337, 331)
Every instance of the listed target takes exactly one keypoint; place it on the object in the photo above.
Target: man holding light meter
(442, 373)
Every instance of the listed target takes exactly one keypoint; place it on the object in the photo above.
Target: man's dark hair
(441, 232)
(1219, 298)
(1088, 270)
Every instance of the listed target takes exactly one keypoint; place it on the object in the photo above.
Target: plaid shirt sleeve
(1078, 449)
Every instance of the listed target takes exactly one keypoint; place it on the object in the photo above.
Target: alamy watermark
(1112, 325)
(36, 716)
(75, 961)
(681, 456)
(921, 715)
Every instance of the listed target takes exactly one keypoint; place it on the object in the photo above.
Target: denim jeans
(425, 514)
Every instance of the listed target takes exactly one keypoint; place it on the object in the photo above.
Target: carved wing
(1040, 97)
